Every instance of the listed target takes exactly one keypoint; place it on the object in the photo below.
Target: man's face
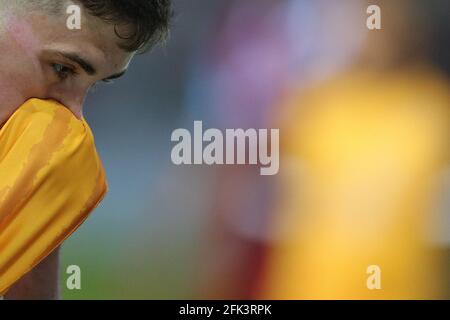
(42, 58)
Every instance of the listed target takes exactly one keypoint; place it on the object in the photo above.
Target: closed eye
(108, 81)
(114, 76)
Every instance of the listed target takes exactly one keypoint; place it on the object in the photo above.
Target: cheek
(20, 47)
(22, 35)
(19, 81)
(8, 105)
(21, 77)
(16, 82)
(68, 89)
(14, 91)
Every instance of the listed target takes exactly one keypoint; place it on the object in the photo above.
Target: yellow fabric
(51, 178)
(364, 153)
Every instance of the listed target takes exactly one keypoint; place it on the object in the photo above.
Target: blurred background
(364, 179)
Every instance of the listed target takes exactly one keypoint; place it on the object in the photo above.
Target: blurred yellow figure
(362, 163)
(51, 178)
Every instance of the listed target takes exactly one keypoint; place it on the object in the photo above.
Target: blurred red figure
(248, 66)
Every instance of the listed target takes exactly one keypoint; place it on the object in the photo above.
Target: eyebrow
(83, 63)
(88, 66)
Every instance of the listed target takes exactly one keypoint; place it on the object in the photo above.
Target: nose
(75, 106)
(73, 101)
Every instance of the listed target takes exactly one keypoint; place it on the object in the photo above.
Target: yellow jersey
(51, 178)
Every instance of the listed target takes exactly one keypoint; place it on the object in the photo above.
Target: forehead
(94, 38)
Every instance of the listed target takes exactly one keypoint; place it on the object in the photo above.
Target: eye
(62, 71)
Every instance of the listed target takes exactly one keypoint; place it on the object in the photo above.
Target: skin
(39, 284)
(33, 64)
(41, 59)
